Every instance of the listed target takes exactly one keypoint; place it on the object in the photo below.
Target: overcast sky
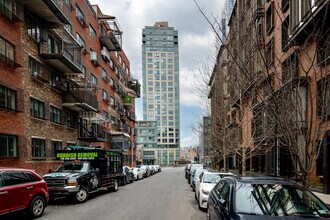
(196, 44)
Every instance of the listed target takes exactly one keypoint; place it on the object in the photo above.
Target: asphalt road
(164, 196)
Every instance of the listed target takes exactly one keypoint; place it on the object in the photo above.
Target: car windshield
(278, 200)
(211, 178)
(72, 167)
(198, 172)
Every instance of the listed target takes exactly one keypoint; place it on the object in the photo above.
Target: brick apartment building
(272, 80)
(64, 80)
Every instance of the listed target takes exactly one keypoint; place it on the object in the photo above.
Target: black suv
(263, 198)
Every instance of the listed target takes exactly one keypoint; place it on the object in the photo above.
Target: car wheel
(132, 180)
(37, 207)
(138, 178)
(124, 181)
(115, 186)
(208, 214)
(82, 195)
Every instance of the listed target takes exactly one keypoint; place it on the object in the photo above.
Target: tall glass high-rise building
(161, 95)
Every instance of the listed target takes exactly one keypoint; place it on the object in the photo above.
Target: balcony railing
(111, 34)
(93, 132)
(61, 51)
(80, 100)
(50, 11)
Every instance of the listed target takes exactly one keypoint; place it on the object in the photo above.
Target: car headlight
(205, 192)
(72, 182)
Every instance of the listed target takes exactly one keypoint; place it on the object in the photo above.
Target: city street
(165, 195)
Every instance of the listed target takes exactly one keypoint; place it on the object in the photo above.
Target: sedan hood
(207, 186)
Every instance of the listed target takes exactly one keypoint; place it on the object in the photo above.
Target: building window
(54, 45)
(104, 95)
(104, 75)
(112, 82)
(323, 97)
(323, 48)
(55, 115)
(290, 68)
(105, 114)
(7, 98)
(7, 52)
(38, 148)
(112, 65)
(33, 28)
(270, 53)
(35, 68)
(270, 18)
(92, 32)
(37, 108)
(56, 145)
(294, 14)
(112, 101)
(8, 145)
(80, 16)
(70, 122)
(94, 80)
(80, 41)
(285, 33)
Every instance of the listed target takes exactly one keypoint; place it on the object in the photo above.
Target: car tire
(37, 207)
(115, 186)
(208, 214)
(82, 195)
(132, 180)
(124, 181)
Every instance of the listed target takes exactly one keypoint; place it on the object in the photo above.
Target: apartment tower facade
(161, 95)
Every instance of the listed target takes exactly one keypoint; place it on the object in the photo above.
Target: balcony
(128, 116)
(80, 100)
(136, 88)
(12, 10)
(61, 51)
(50, 11)
(305, 18)
(92, 132)
(119, 141)
(111, 34)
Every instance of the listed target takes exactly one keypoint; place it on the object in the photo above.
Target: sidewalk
(324, 197)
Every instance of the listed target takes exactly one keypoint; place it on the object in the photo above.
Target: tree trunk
(224, 162)
(243, 162)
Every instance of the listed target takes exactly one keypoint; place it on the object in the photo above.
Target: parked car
(138, 173)
(145, 169)
(195, 177)
(159, 168)
(193, 167)
(187, 168)
(22, 189)
(205, 183)
(263, 198)
(128, 175)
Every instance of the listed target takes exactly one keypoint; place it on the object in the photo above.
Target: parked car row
(228, 197)
(24, 189)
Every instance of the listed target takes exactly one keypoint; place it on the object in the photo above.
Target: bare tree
(278, 84)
